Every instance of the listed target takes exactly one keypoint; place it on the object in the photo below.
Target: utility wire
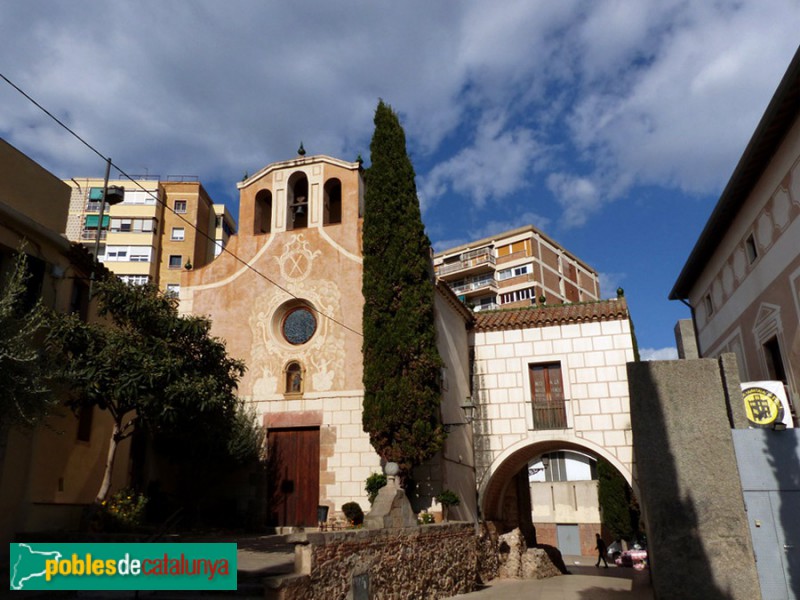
(166, 206)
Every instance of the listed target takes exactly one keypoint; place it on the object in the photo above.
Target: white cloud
(681, 117)
(610, 283)
(579, 197)
(492, 228)
(668, 353)
(496, 164)
(656, 92)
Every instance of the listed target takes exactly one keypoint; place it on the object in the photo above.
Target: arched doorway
(512, 495)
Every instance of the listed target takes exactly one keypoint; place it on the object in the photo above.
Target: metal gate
(569, 539)
(769, 467)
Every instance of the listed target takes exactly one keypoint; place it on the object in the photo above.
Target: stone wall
(592, 358)
(691, 495)
(431, 561)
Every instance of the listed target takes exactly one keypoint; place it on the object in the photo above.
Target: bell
(299, 210)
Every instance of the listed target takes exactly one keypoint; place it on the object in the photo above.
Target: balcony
(487, 306)
(472, 261)
(465, 287)
(550, 415)
(91, 234)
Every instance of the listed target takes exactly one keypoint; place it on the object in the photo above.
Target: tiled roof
(562, 314)
(457, 304)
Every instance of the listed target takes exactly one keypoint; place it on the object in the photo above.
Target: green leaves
(149, 364)
(26, 370)
(401, 362)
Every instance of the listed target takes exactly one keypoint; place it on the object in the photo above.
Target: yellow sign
(763, 408)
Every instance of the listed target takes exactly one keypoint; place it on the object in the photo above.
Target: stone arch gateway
(546, 379)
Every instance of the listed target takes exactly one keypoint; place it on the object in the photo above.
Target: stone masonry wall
(593, 359)
(432, 561)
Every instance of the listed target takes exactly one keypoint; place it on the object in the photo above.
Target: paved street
(586, 582)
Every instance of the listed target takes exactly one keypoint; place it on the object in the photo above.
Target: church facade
(287, 300)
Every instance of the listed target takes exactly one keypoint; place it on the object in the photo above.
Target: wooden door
(547, 392)
(293, 477)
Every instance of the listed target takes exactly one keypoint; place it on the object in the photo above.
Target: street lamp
(545, 464)
(469, 414)
(113, 195)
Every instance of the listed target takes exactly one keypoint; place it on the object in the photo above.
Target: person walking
(601, 551)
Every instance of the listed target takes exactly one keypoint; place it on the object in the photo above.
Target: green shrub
(425, 518)
(124, 511)
(448, 498)
(353, 513)
(374, 483)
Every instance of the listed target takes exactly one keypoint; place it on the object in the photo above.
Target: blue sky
(611, 125)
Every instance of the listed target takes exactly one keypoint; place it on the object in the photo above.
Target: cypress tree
(401, 363)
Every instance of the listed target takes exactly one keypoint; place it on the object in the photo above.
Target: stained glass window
(299, 326)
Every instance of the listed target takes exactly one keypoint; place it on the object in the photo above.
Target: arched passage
(504, 492)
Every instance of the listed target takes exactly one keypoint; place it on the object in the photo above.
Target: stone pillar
(686, 340)
(391, 509)
(698, 536)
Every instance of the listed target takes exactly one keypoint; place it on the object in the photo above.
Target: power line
(166, 206)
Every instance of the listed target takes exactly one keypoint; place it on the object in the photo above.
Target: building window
(513, 272)
(120, 225)
(751, 249)
(85, 415)
(127, 254)
(775, 368)
(518, 295)
(547, 394)
(708, 303)
(294, 378)
(180, 206)
(332, 210)
(175, 261)
(263, 212)
(178, 234)
(299, 325)
(174, 289)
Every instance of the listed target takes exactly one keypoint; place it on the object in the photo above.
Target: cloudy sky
(611, 125)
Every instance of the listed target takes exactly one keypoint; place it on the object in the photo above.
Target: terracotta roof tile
(562, 314)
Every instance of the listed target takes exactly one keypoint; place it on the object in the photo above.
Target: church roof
(547, 316)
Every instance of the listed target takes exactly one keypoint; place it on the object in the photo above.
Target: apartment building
(161, 228)
(516, 268)
(224, 227)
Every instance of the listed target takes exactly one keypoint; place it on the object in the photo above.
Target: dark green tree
(25, 369)
(401, 361)
(618, 507)
(149, 367)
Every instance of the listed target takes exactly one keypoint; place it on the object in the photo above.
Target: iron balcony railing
(552, 415)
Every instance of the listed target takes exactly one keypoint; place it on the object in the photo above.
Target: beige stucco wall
(565, 502)
(45, 473)
(454, 467)
(247, 292)
(23, 179)
(755, 302)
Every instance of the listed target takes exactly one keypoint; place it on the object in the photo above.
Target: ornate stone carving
(323, 355)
